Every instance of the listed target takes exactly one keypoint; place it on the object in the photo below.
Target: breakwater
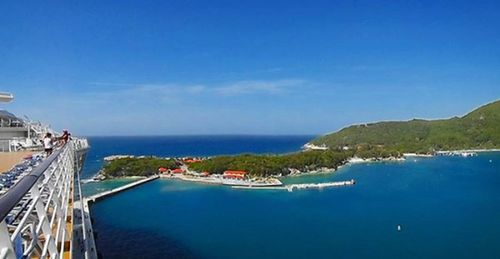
(301, 186)
(84, 232)
(105, 194)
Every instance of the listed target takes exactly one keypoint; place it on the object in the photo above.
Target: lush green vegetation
(264, 165)
(255, 165)
(136, 166)
(478, 129)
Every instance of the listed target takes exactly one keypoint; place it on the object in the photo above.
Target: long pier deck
(105, 194)
(291, 187)
(83, 224)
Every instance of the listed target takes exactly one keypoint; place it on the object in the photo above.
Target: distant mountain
(478, 129)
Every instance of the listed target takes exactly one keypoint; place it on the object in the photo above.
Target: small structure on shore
(177, 171)
(234, 174)
(309, 146)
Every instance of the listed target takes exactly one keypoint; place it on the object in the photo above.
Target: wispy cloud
(196, 89)
(113, 84)
(257, 87)
(246, 87)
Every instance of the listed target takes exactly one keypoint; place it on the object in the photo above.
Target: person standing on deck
(48, 144)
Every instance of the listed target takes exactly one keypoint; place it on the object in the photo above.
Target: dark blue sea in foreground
(447, 207)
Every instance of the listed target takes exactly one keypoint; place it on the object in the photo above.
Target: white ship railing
(37, 213)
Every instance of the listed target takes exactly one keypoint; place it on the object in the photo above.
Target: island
(381, 141)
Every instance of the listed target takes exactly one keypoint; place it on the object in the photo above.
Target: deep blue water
(447, 207)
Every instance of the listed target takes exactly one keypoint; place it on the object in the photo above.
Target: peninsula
(480, 129)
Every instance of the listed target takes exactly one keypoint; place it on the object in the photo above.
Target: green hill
(478, 129)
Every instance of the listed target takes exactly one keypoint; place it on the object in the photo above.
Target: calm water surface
(447, 207)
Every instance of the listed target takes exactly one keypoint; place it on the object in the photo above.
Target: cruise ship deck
(40, 194)
(37, 212)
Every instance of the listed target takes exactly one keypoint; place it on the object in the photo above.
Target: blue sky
(260, 67)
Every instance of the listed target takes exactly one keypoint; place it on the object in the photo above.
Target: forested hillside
(478, 129)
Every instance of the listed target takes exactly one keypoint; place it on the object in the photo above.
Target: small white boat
(468, 154)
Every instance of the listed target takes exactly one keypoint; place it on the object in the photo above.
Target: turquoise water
(92, 188)
(447, 207)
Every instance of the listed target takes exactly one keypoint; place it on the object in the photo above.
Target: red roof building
(162, 170)
(190, 160)
(234, 174)
(177, 171)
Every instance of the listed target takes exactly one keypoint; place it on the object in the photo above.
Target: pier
(105, 194)
(301, 186)
(85, 247)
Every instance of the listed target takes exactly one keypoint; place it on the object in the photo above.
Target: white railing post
(6, 247)
(44, 225)
(38, 225)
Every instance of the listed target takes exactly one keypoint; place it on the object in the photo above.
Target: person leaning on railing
(64, 138)
(48, 143)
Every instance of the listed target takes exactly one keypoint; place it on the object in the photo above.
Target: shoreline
(297, 173)
(294, 172)
(483, 150)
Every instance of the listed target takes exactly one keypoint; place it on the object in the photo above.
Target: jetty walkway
(85, 247)
(300, 186)
(102, 195)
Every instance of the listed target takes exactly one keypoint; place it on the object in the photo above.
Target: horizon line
(204, 135)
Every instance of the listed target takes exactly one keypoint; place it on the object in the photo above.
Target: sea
(440, 207)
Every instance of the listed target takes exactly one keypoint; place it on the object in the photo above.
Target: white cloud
(196, 89)
(245, 87)
(257, 87)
